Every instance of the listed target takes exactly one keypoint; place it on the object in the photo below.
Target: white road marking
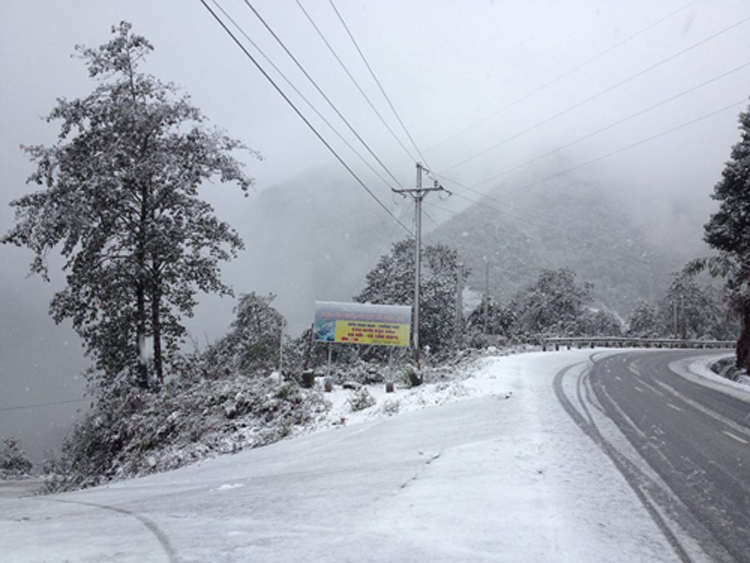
(716, 416)
(638, 388)
(670, 405)
(617, 378)
(733, 437)
(651, 388)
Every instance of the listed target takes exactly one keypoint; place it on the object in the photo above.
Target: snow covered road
(483, 478)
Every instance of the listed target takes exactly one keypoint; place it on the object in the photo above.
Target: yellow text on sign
(382, 334)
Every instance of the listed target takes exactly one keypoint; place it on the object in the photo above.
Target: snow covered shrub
(391, 407)
(412, 377)
(360, 399)
(143, 433)
(13, 460)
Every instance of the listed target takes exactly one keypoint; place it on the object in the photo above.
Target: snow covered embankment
(485, 478)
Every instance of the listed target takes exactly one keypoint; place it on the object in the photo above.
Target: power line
(603, 129)
(565, 74)
(628, 147)
(354, 81)
(569, 170)
(380, 86)
(600, 93)
(41, 405)
(299, 113)
(380, 253)
(320, 91)
(301, 95)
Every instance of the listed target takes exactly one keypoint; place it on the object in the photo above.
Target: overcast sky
(524, 77)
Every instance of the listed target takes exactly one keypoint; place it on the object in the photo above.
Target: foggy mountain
(316, 237)
(573, 223)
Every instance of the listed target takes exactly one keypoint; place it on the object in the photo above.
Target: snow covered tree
(692, 310)
(13, 460)
(252, 344)
(728, 231)
(120, 200)
(490, 317)
(645, 322)
(554, 305)
(599, 323)
(391, 282)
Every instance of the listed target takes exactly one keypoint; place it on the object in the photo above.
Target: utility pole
(281, 349)
(460, 306)
(486, 292)
(418, 194)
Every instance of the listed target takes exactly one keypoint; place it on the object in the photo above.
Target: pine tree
(728, 231)
(119, 198)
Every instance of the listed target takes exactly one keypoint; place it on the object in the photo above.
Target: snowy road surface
(483, 478)
(697, 439)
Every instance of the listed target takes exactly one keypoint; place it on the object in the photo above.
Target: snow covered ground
(494, 470)
(699, 371)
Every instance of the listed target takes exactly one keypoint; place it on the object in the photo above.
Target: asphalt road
(696, 438)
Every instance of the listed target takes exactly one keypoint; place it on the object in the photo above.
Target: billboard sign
(359, 323)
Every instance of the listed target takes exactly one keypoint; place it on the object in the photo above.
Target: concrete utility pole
(418, 194)
(486, 292)
(460, 306)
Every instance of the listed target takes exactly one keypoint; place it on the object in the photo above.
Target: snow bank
(699, 371)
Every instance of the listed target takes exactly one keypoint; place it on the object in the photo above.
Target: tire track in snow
(152, 527)
(642, 486)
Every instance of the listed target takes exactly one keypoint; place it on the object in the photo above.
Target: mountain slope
(574, 224)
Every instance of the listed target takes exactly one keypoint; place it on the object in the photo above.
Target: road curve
(696, 438)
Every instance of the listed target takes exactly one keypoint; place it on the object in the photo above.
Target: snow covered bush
(360, 399)
(391, 407)
(13, 460)
(140, 432)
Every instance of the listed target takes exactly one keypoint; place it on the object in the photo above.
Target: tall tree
(252, 344)
(120, 199)
(728, 231)
(391, 282)
(555, 304)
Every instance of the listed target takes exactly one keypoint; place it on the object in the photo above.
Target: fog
(526, 78)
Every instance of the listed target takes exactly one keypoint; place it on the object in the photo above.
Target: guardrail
(622, 342)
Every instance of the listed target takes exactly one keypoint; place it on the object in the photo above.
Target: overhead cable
(320, 91)
(42, 405)
(301, 95)
(600, 93)
(605, 128)
(354, 81)
(628, 147)
(301, 116)
(380, 86)
(565, 74)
